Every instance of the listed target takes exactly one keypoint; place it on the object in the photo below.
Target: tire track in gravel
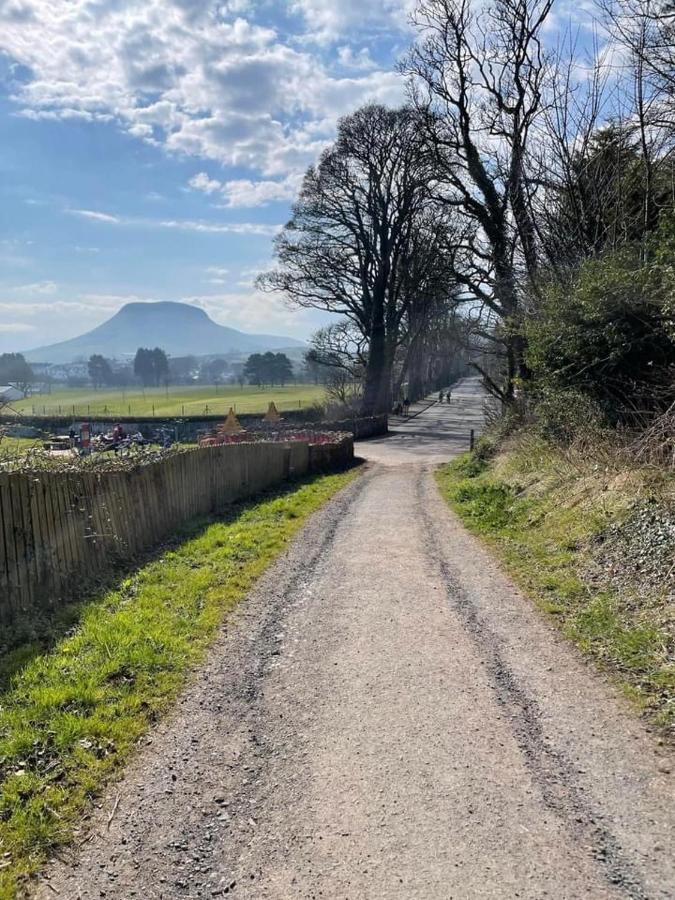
(552, 771)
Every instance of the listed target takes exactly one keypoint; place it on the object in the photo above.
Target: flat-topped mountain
(178, 328)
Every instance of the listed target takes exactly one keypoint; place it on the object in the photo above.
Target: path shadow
(29, 640)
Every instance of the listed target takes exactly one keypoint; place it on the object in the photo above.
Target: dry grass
(656, 445)
(587, 532)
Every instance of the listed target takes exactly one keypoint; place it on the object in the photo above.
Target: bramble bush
(603, 347)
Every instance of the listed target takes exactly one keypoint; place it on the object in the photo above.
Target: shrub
(561, 414)
(609, 336)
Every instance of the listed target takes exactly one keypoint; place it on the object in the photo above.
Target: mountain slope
(178, 328)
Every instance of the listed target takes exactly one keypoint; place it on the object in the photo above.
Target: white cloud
(217, 275)
(38, 287)
(196, 77)
(236, 6)
(243, 192)
(202, 182)
(84, 303)
(250, 228)
(110, 301)
(329, 20)
(15, 327)
(254, 311)
(96, 216)
(32, 321)
(356, 59)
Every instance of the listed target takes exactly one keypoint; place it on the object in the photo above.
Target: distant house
(61, 372)
(8, 393)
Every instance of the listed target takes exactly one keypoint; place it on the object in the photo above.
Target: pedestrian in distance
(440, 397)
(449, 395)
(406, 406)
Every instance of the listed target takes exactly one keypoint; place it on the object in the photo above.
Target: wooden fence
(61, 530)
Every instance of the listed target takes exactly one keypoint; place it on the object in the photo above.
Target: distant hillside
(178, 328)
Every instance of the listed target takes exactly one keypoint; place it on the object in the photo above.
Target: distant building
(61, 372)
(9, 394)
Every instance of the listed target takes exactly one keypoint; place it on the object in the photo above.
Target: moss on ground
(72, 715)
(547, 514)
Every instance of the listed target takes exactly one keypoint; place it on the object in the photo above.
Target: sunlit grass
(11, 445)
(174, 401)
(71, 716)
(542, 514)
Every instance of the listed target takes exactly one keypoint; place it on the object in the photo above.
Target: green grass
(542, 517)
(177, 401)
(70, 716)
(10, 445)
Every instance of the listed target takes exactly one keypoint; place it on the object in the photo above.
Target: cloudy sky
(150, 148)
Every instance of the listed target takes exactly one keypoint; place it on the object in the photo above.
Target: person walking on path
(440, 397)
(406, 406)
(449, 395)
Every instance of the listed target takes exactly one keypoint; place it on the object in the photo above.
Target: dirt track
(386, 717)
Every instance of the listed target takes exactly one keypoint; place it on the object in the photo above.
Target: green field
(174, 401)
(12, 445)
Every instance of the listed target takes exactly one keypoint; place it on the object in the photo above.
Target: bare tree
(477, 79)
(563, 189)
(430, 284)
(642, 37)
(349, 244)
(340, 347)
(646, 29)
(601, 172)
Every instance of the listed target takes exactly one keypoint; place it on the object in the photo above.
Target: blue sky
(150, 149)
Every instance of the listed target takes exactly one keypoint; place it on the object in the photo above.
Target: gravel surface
(387, 717)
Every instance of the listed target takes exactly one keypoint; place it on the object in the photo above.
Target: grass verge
(71, 716)
(549, 518)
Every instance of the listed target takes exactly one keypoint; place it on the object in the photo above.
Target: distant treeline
(152, 367)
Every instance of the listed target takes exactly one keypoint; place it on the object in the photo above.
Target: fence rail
(161, 409)
(60, 531)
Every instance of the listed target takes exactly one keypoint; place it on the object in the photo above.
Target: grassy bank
(591, 541)
(71, 716)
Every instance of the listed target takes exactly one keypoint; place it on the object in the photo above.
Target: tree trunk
(416, 369)
(377, 386)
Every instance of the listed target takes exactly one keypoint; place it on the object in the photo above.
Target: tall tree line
(364, 218)
(151, 366)
(495, 202)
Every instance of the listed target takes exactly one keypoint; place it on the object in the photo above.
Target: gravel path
(387, 717)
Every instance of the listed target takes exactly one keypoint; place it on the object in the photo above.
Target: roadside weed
(546, 520)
